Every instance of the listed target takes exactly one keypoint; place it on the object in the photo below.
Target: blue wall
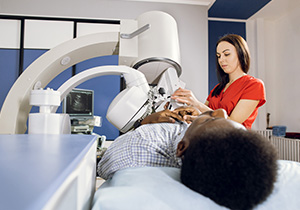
(9, 65)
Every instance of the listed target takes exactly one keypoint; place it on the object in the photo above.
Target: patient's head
(232, 166)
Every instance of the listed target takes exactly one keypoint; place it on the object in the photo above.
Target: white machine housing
(46, 122)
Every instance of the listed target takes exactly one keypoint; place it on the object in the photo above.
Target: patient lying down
(218, 157)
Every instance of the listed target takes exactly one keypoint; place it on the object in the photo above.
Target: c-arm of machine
(151, 53)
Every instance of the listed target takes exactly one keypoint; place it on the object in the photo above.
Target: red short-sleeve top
(246, 87)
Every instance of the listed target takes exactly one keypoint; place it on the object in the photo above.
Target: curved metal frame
(16, 108)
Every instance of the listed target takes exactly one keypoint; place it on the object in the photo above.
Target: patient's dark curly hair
(235, 168)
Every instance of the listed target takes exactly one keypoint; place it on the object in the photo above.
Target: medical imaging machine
(148, 50)
(60, 170)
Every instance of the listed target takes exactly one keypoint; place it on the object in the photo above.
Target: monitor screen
(79, 104)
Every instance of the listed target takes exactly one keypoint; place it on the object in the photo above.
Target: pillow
(160, 188)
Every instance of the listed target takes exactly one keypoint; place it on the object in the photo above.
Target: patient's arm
(166, 116)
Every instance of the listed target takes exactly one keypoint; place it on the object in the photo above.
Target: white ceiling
(193, 2)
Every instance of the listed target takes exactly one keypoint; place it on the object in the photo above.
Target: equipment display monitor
(79, 104)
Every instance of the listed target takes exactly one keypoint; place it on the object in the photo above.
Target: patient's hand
(188, 113)
(185, 113)
(165, 116)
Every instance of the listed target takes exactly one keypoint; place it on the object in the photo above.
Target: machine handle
(135, 33)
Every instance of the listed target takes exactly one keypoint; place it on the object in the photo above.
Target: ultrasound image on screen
(80, 103)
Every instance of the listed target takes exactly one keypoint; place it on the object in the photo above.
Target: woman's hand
(186, 97)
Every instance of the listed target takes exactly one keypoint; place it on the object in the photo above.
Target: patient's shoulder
(160, 130)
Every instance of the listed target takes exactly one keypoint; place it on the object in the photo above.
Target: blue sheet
(160, 188)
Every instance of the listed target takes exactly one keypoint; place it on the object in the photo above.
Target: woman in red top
(238, 93)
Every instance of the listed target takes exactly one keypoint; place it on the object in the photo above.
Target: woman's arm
(187, 97)
(243, 109)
